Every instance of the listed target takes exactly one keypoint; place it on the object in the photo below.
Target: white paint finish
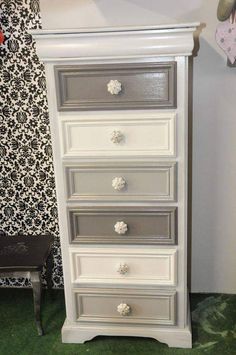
(122, 268)
(60, 190)
(147, 267)
(146, 307)
(89, 134)
(214, 167)
(121, 227)
(182, 129)
(124, 309)
(172, 336)
(118, 183)
(114, 87)
(180, 335)
(116, 137)
(129, 43)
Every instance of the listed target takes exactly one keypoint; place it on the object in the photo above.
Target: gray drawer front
(149, 226)
(143, 86)
(141, 182)
(146, 306)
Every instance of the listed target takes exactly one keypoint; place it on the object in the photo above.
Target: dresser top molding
(115, 42)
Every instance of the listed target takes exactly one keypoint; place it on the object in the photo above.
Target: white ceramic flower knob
(121, 227)
(118, 183)
(124, 309)
(123, 269)
(114, 87)
(116, 137)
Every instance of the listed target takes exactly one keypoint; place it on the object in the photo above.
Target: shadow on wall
(197, 68)
(197, 35)
(95, 13)
(214, 170)
(165, 8)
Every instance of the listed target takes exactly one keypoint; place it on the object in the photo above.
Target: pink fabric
(226, 38)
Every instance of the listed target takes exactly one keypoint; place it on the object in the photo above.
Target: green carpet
(214, 329)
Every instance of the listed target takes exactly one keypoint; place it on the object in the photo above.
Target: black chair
(25, 256)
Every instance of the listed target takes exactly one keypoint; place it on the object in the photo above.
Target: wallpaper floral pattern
(27, 187)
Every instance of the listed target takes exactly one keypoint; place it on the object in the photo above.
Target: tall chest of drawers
(118, 104)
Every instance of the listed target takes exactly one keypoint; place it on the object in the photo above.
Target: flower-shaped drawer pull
(114, 87)
(117, 137)
(118, 183)
(121, 227)
(124, 309)
(123, 269)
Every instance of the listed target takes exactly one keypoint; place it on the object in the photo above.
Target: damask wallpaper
(27, 187)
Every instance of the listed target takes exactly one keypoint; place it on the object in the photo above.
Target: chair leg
(35, 278)
(49, 268)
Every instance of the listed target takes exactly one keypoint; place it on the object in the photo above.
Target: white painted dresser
(118, 102)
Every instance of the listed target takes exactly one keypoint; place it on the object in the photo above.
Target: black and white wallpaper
(27, 187)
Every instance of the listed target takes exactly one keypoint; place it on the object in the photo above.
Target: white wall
(214, 123)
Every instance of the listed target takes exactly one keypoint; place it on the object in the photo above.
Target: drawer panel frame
(157, 93)
(143, 134)
(122, 213)
(156, 267)
(133, 297)
(119, 169)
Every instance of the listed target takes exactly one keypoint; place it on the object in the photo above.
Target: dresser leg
(35, 278)
(73, 332)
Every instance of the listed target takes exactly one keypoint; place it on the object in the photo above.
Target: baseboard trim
(172, 336)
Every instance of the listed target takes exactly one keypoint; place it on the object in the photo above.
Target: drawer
(119, 86)
(126, 306)
(121, 182)
(128, 134)
(122, 225)
(124, 266)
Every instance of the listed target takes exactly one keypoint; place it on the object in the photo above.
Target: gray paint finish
(149, 226)
(148, 85)
(143, 182)
(147, 306)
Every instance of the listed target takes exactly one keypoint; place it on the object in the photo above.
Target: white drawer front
(125, 306)
(124, 266)
(118, 135)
